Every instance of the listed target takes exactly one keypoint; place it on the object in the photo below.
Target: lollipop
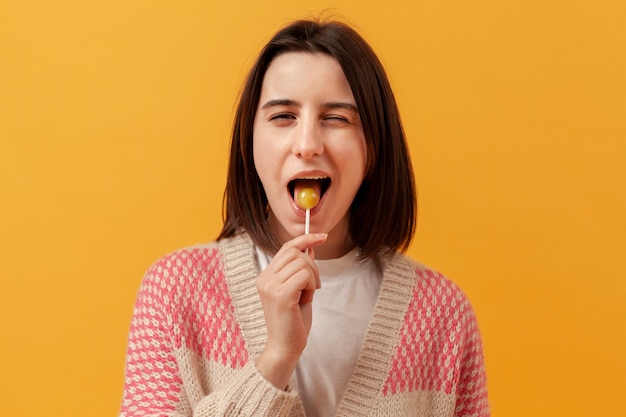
(307, 198)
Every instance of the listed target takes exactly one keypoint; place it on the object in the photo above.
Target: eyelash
(338, 119)
(284, 116)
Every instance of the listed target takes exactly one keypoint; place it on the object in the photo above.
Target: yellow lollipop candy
(307, 198)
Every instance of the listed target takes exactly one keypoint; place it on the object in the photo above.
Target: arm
(472, 388)
(153, 385)
(162, 375)
(286, 290)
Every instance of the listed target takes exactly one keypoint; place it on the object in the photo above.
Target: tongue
(300, 184)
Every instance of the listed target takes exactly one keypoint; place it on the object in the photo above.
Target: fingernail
(321, 235)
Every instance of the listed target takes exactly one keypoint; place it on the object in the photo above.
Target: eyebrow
(341, 105)
(280, 102)
(330, 105)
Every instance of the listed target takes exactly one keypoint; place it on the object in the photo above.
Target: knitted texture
(198, 325)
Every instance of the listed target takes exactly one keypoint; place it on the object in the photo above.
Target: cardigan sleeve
(248, 394)
(471, 395)
(159, 377)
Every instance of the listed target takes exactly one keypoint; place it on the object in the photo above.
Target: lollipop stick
(307, 221)
(306, 225)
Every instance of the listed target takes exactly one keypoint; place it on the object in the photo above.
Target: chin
(284, 231)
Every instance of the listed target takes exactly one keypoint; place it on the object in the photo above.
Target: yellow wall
(114, 120)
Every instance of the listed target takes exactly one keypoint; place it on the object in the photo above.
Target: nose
(308, 140)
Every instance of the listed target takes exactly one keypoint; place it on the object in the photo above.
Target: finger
(304, 241)
(299, 283)
(293, 249)
(287, 262)
(306, 297)
(318, 282)
(302, 264)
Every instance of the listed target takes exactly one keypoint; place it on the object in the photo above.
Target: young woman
(270, 321)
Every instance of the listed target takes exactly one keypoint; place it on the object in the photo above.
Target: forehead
(294, 73)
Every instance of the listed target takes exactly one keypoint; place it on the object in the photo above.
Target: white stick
(306, 225)
(307, 221)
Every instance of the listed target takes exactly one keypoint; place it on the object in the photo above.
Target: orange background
(114, 128)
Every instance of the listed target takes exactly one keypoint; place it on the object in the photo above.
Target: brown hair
(383, 213)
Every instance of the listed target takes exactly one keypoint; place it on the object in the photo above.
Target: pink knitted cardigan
(198, 325)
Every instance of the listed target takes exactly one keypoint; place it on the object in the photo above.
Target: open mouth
(319, 184)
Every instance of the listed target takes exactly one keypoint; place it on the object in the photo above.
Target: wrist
(276, 367)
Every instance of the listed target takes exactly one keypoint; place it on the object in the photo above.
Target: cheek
(261, 166)
(356, 159)
(259, 153)
(266, 165)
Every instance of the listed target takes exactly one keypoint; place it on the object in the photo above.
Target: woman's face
(307, 132)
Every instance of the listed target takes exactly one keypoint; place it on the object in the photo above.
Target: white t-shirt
(341, 313)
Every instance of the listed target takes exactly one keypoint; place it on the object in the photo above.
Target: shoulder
(180, 263)
(174, 274)
(196, 268)
(436, 299)
(438, 343)
(183, 272)
(434, 284)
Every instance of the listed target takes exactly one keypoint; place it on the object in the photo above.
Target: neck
(333, 250)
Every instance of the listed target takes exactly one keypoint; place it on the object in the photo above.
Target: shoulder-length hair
(383, 213)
